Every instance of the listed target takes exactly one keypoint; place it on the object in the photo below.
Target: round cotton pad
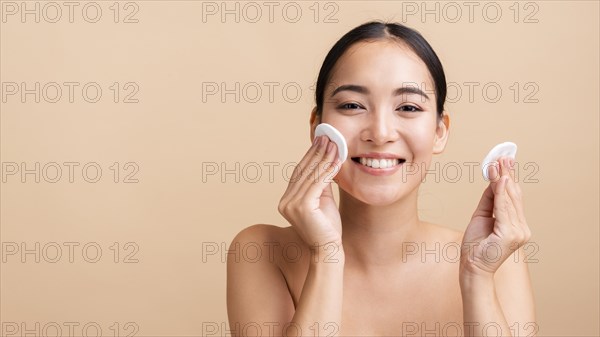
(506, 149)
(336, 137)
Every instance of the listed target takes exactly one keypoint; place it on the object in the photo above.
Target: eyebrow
(363, 90)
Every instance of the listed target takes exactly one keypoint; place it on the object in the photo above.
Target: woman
(372, 267)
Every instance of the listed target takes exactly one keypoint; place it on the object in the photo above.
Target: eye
(349, 106)
(409, 108)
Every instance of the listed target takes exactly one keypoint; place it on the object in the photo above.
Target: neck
(373, 236)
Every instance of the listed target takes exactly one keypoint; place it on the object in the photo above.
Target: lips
(376, 160)
(378, 163)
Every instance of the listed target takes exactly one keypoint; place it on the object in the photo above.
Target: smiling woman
(371, 267)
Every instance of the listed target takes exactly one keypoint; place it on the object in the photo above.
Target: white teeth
(379, 163)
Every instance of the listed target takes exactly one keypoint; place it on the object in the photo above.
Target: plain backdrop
(164, 128)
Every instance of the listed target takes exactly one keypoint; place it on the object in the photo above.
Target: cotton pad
(506, 149)
(336, 137)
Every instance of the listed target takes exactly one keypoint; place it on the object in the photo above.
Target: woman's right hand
(308, 203)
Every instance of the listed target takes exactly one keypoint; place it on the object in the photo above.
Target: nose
(380, 128)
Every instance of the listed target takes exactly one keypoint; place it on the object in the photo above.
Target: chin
(375, 195)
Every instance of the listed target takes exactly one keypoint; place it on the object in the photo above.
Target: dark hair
(375, 30)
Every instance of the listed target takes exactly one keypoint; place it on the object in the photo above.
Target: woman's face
(381, 98)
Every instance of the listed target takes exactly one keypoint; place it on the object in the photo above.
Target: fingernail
(315, 141)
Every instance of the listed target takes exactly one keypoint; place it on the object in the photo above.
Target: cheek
(419, 139)
(339, 121)
(348, 127)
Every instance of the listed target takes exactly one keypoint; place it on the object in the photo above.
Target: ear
(441, 133)
(314, 121)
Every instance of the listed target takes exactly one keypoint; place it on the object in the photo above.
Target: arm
(494, 278)
(258, 298)
(319, 309)
(515, 294)
(503, 303)
(257, 292)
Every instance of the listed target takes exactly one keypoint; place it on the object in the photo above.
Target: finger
(498, 172)
(511, 168)
(515, 189)
(519, 189)
(514, 207)
(313, 151)
(504, 168)
(306, 166)
(299, 169)
(320, 177)
(501, 202)
(326, 192)
(513, 215)
(486, 204)
(510, 191)
(313, 185)
(485, 207)
(517, 201)
(493, 171)
(515, 212)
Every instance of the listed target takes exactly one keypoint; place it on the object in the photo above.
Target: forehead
(380, 64)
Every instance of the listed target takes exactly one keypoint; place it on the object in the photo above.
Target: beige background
(170, 219)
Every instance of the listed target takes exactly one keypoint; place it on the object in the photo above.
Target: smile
(380, 163)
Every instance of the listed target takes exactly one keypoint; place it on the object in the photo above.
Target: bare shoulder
(264, 234)
(267, 243)
(254, 274)
(258, 233)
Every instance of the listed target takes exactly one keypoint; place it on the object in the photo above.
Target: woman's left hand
(498, 226)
